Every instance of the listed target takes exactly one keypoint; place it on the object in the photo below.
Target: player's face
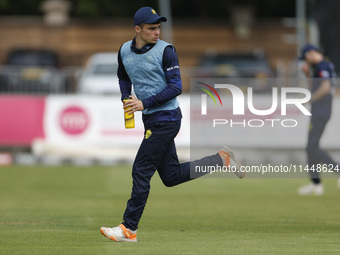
(149, 33)
(313, 57)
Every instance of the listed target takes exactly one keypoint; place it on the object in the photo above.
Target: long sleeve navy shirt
(174, 84)
(323, 70)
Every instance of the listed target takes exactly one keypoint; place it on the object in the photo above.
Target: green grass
(59, 210)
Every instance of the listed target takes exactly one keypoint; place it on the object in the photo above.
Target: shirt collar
(142, 50)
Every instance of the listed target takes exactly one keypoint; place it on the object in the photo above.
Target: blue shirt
(324, 70)
(173, 89)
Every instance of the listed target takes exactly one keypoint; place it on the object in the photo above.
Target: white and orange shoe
(120, 234)
(227, 154)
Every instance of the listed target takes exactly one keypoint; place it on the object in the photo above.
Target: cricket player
(151, 66)
(322, 88)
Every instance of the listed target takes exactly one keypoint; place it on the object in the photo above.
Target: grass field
(59, 210)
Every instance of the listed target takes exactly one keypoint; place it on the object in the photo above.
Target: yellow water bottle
(129, 117)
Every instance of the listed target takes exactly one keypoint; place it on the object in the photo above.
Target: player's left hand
(134, 103)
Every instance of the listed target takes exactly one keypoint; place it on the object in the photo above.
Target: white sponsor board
(219, 125)
(98, 121)
(94, 126)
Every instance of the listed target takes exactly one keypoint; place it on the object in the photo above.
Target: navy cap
(305, 49)
(147, 15)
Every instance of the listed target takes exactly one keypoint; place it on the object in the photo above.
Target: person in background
(322, 74)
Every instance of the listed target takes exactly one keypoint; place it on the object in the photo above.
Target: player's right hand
(305, 69)
(133, 105)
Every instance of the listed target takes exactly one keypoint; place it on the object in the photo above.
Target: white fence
(93, 126)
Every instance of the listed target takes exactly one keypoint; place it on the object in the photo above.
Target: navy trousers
(315, 154)
(158, 153)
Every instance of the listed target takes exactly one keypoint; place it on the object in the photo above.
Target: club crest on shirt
(148, 133)
(150, 59)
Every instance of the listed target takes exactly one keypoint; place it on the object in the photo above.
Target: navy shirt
(171, 70)
(324, 70)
